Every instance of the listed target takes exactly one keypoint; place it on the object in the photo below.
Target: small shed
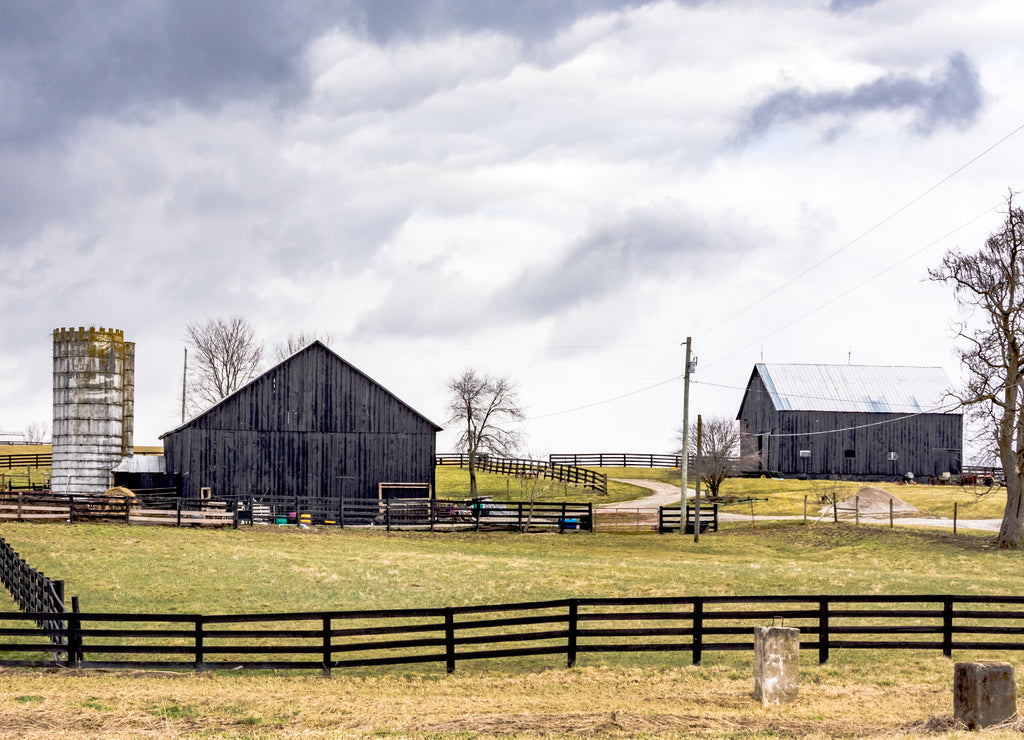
(313, 428)
(851, 421)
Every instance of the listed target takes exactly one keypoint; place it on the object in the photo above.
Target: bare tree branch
(992, 352)
(225, 356)
(298, 341)
(720, 451)
(484, 407)
(38, 432)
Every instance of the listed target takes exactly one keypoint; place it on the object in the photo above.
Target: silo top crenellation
(70, 334)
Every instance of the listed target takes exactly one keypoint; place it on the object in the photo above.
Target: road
(666, 494)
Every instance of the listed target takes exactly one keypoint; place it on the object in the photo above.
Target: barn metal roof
(858, 388)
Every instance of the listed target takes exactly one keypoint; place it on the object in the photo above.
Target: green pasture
(115, 567)
(453, 482)
(280, 569)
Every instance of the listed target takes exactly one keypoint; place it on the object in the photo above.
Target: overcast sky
(557, 192)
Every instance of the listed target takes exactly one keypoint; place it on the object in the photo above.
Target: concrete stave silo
(93, 407)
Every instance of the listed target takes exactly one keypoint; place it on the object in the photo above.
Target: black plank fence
(33, 592)
(26, 460)
(690, 626)
(164, 507)
(669, 518)
(617, 460)
(519, 467)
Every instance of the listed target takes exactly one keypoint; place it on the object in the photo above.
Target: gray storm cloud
(951, 98)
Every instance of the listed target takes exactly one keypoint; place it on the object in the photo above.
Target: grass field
(857, 694)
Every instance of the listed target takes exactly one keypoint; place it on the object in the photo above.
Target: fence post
(947, 627)
(449, 639)
(179, 512)
(573, 627)
(200, 657)
(327, 651)
(19, 505)
(698, 629)
(74, 638)
(823, 636)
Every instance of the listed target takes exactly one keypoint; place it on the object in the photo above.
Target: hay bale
(120, 492)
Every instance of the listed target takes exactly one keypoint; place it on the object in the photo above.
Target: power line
(607, 400)
(857, 287)
(865, 233)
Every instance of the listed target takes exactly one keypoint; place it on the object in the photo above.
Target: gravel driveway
(666, 494)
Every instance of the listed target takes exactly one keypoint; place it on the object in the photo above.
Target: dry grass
(593, 702)
(858, 694)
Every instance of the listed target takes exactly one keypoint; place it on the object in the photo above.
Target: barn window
(849, 453)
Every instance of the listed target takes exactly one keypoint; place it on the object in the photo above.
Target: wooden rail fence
(530, 468)
(28, 460)
(31, 590)
(399, 513)
(692, 626)
(669, 518)
(617, 460)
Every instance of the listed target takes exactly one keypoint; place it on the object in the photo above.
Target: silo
(93, 407)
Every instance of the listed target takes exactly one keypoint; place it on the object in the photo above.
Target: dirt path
(662, 494)
(666, 494)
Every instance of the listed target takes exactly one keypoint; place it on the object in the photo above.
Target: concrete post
(984, 693)
(776, 664)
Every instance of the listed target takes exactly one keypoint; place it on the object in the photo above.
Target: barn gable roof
(316, 346)
(854, 388)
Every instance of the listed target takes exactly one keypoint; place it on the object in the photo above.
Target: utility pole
(184, 378)
(685, 455)
(696, 498)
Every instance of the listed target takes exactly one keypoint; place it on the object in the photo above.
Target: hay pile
(872, 501)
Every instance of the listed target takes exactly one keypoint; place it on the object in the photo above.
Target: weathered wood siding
(312, 427)
(925, 444)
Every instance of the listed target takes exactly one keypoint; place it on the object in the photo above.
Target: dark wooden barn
(313, 428)
(851, 421)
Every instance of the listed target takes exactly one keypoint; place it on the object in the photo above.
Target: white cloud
(451, 193)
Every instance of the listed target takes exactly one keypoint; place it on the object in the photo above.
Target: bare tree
(992, 352)
(484, 407)
(295, 342)
(720, 451)
(37, 433)
(225, 356)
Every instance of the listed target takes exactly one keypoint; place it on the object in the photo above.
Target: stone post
(984, 693)
(776, 664)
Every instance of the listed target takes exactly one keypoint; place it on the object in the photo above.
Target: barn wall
(312, 427)
(759, 418)
(927, 444)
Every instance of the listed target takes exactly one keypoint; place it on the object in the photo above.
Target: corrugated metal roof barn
(852, 421)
